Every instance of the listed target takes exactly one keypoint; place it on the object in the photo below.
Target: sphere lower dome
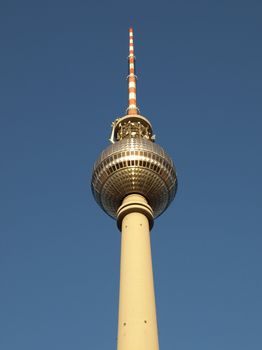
(134, 165)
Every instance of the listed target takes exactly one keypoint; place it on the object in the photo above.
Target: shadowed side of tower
(134, 181)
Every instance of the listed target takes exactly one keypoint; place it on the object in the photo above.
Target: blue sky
(63, 68)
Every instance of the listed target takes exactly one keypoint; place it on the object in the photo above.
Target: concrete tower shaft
(137, 322)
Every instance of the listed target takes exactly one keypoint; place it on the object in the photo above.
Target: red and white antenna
(132, 107)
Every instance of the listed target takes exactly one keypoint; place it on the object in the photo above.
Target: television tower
(134, 181)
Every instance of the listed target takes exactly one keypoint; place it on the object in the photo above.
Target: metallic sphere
(134, 165)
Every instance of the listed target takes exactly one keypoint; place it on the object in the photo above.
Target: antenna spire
(132, 107)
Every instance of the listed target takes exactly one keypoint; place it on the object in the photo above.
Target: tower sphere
(133, 164)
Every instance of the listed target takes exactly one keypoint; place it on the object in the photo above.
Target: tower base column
(137, 323)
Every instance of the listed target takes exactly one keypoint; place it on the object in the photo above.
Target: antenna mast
(132, 107)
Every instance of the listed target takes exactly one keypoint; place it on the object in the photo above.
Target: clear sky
(63, 73)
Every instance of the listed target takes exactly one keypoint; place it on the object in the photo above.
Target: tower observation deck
(134, 181)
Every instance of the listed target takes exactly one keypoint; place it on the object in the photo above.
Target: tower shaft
(137, 323)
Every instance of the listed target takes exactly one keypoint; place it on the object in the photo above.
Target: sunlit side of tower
(134, 181)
